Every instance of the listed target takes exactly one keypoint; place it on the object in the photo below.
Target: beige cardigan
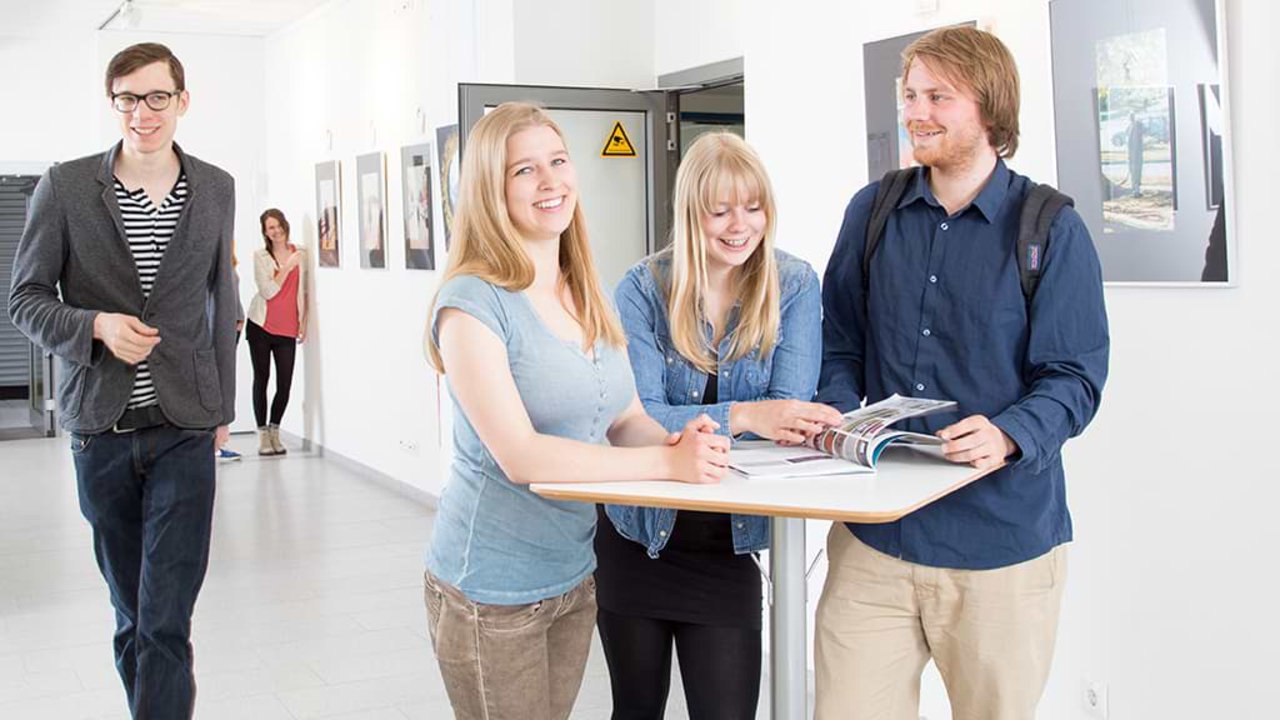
(264, 270)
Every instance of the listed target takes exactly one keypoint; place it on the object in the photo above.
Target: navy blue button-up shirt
(945, 317)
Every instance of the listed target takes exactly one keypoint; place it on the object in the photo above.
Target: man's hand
(221, 436)
(127, 337)
(975, 440)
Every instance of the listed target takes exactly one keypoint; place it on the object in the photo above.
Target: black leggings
(719, 666)
(262, 345)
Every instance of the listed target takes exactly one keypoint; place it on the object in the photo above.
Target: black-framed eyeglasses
(156, 100)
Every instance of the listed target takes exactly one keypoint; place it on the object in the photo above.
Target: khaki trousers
(880, 619)
(509, 662)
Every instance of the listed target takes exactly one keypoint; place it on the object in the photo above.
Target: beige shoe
(265, 447)
(275, 440)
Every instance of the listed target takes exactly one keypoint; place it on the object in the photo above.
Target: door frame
(661, 131)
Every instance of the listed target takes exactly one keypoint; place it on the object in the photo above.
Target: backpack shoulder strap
(1041, 206)
(892, 187)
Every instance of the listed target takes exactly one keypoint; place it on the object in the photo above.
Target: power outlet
(1094, 698)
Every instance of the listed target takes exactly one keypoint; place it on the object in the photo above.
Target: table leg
(788, 661)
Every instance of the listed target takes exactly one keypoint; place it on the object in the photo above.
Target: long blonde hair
(487, 245)
(716, 163)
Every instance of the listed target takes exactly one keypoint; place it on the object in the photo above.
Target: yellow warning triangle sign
(618, 144)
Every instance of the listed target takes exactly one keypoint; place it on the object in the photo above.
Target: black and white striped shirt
(148, 229)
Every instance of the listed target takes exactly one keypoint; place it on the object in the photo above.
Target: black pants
(719, 666)
(262, 346)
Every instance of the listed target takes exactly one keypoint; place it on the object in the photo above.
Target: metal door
(626, 197)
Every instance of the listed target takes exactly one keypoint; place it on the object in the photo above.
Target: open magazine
(853, 446)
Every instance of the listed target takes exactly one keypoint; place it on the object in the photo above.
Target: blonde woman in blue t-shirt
(543, 392)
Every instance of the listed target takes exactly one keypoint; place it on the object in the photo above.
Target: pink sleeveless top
(282, 309)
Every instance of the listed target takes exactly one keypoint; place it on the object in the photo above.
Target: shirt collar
(988, 201)
(993, 193)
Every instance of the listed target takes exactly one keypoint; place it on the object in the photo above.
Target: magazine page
(773, 461)
(855, 439)
(853, 447)
(902, 438)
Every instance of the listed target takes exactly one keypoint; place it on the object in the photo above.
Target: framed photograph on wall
(447, 149)
(1124, 75)
(328, 206)
(415, 176)
(371, 194)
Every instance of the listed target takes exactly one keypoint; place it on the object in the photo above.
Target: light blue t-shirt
(497, 541)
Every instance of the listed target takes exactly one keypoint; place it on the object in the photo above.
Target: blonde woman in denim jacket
(720, 324)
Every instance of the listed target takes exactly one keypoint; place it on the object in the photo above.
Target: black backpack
(1041, 206)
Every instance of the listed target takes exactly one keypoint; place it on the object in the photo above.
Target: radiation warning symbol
(618, 144)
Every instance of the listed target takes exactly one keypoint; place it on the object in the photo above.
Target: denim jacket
(671, 388)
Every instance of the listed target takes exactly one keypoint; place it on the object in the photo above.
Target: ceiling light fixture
(127, 14)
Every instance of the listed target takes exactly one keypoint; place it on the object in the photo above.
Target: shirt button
(668, 359)
(944, 226)
(726, 373)
(693, 393)
(739, 526)
(919, 386)
(662, 533)
(924, 332)
(933, 278)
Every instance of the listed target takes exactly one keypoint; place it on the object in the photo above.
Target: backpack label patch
(1033, 256)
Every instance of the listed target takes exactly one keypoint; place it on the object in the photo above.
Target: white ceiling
(222, 17)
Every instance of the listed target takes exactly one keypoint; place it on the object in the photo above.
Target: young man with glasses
(124, 272)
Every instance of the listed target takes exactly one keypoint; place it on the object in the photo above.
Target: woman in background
(722, 324)
(277, 323)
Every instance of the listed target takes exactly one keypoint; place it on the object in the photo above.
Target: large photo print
(1139, 100)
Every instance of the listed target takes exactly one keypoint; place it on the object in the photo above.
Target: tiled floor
(312, 606)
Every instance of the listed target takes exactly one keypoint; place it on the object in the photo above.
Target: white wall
(359, 76)
(1170, 583)
(690, 34)
(593, 44)
(351, 78)
(48, 122)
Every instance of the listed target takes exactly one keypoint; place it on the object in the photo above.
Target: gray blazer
(75, 242)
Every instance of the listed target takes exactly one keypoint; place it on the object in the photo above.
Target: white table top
(904, 482)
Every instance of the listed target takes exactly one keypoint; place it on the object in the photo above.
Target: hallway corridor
(312, 606)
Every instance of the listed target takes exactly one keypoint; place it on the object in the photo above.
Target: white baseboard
(380, 478)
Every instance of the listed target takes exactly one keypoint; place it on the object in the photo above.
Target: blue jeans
(148, 495)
